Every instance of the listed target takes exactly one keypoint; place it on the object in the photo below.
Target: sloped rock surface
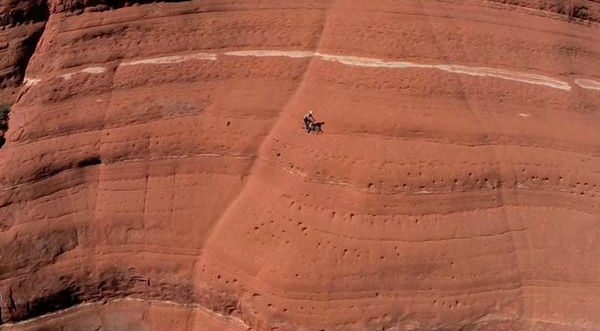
(155, 173)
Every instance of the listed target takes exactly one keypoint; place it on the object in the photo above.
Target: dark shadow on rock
(91, 161)
(78, 6)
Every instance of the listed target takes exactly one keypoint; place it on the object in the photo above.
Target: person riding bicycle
(308, 121)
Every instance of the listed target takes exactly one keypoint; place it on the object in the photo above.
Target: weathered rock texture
(155, 175)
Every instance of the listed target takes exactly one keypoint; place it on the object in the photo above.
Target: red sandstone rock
(155, 174)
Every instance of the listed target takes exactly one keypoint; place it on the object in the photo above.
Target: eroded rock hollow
(155, 175)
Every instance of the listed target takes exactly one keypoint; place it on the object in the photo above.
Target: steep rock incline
(21, 25)
(131, 314)
(155, 154)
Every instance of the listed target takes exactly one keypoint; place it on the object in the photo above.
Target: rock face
(155, 175)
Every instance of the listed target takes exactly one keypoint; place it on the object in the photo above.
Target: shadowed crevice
(24, 12)
(4, 113)
(28, 48)
(78, 6)
(91, 161)
(22, 25)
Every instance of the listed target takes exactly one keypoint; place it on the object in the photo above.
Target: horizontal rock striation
(155, 174)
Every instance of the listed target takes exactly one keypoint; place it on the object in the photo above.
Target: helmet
(310, 112)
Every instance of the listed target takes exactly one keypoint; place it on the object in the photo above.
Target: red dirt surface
(155, 174)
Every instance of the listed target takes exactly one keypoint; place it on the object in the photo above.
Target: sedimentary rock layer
(155, 164)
